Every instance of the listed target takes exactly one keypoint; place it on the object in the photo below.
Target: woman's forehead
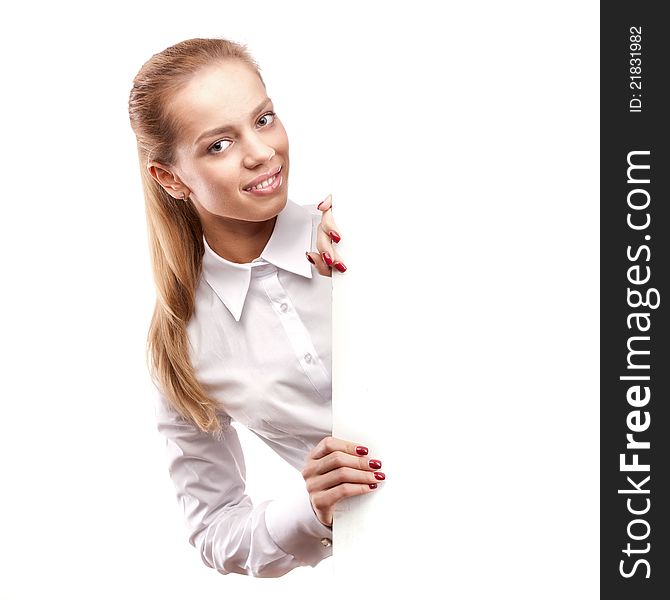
(218, 95)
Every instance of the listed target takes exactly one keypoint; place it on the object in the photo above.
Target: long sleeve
(231, 534)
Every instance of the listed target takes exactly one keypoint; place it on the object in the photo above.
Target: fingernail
(373, 486)
(322, 201)
(361, 450)
(379, 475)
(340, 266)
(309, 258)
(326, 257)
(335, 236)
(375, 464)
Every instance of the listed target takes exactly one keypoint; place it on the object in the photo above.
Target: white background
(461, 148)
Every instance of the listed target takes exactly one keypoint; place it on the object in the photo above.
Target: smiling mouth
(264, 184)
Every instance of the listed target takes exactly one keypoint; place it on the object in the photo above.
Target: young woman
(242, 324)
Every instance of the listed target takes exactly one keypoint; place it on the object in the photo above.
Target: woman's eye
(267, 116)
(218, 147)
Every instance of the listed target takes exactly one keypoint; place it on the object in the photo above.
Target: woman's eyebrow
(225, 128)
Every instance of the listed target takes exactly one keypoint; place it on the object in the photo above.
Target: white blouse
(260, 342)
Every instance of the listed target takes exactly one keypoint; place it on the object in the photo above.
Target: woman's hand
(327, 235)
(337, 469)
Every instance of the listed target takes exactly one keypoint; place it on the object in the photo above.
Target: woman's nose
(258, 152)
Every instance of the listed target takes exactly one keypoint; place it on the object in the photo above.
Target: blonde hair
(174, 227)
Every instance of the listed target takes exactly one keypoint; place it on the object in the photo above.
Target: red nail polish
(375, 464)
(335, 236)
(379, 475)
(327, 259)
(320, 203)
(373, 486)
(309, 258)
(361, 450)
(340, 266)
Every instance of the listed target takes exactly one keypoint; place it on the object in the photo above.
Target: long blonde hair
(174, 227)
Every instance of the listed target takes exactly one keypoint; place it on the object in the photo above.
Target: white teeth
(264, 184)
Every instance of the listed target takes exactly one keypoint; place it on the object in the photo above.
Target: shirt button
(283, 307)
(308, 357)
(327, 542)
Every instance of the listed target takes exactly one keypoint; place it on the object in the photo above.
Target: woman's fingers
(326, 204)
(328, 253)
(337, 469)
(327, 235)
(325, 499)
(331, 444)
(317, 260)
(343, 475)
(325, 246)
(338, 460)
(327, 220)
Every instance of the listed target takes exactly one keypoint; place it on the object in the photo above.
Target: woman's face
(229, 136)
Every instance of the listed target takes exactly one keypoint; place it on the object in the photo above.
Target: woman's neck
(238, 241)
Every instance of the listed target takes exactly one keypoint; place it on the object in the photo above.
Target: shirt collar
(290, 239)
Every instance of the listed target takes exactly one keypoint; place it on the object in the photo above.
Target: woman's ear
(167, 180)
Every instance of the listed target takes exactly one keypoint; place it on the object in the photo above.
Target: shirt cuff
(295, 528)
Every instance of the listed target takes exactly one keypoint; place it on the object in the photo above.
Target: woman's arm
(233, 535)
